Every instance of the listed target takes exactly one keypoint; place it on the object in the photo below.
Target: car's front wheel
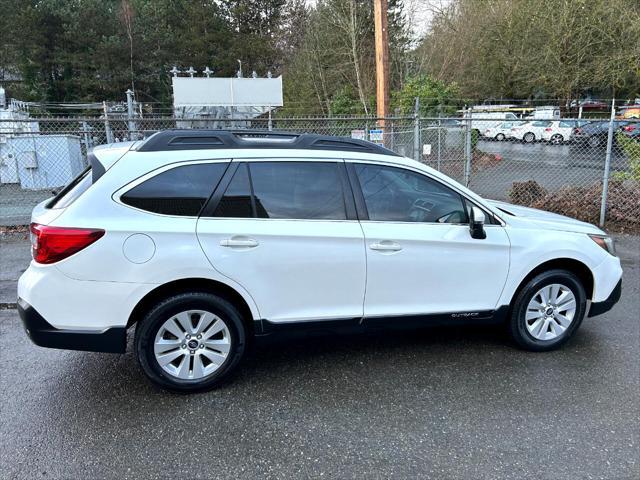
(548, 310)
(190, 342)
(529, 137)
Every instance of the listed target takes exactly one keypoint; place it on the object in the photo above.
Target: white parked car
(499, 132)
(559, 131)
(202, 239)
(529, 132)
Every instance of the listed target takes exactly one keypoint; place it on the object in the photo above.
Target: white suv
(203, 240)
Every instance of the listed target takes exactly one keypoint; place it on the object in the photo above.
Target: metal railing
(592, 173)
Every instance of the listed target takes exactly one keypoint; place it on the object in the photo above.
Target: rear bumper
(42, 333)
(599, 308)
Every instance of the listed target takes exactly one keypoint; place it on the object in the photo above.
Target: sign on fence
(359, 134)
(376, 136)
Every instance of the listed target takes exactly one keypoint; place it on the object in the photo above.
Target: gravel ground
(439, 403)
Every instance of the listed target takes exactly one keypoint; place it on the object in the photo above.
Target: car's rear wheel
(548, 310)
(557, 139)
(529, 137)
(595, 141)
(190, 342)
(500, 137)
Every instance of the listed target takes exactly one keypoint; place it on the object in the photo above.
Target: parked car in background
(590, 104)
(560, 131)
(529, 132)
(630, 128)
(594, 134)
(499, 132)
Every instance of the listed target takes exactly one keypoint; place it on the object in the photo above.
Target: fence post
(439, 139)
(607, 166)
(467, 149)
(107, 128)
(130, 123)
(416, 131)
(85, 137)
(270, 123)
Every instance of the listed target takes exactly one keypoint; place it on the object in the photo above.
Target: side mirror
(476, 223)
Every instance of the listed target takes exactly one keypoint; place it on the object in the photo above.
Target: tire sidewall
(517, 323)
(148, 327)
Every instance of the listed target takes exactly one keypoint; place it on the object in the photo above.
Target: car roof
(189, 139)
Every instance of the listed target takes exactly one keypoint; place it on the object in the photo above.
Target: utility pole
(382, 60)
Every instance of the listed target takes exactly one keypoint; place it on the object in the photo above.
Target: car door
(286, 230)
(421, 258)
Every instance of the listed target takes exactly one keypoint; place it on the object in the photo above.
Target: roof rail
(219, 139)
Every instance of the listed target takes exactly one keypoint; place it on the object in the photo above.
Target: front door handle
(239, 242)
(386, 246)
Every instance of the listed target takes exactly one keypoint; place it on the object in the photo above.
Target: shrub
(526, 193)
(632, 149)
(583, 203)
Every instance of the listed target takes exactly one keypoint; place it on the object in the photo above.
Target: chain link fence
(585, 169)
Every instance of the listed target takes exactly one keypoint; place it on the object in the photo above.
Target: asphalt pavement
(437, 403)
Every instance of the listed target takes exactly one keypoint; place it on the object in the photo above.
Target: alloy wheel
(192, 344)
(550, 312)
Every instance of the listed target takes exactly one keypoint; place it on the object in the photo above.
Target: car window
(236, 200)
(566, 124)
(398, 195)
(181, 191)
(541, 124)
(298, 190)
(510, 116)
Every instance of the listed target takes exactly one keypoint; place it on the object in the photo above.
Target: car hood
(532, 217)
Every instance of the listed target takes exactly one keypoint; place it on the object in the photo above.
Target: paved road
(446, 403)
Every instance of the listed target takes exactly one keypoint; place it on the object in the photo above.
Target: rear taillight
(577, 130)
(52, 244)
(547, 129)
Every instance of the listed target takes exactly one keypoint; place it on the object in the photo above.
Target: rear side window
(284, 190)
(181, 191)
(298, 190)
(71, 192)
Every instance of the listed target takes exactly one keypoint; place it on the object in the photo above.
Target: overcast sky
(419, 12)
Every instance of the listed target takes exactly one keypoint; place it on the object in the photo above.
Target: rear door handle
(239, 242)
(386, 246)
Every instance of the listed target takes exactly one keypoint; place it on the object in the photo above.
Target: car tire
(594, 141)
(220, 353)
(549, 333)
(500, 137)
(557, 139)
(529, 137)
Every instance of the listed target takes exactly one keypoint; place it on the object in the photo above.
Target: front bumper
(598, 308)
(42, 333)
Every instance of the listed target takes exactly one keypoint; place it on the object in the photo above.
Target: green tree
(435, 96)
